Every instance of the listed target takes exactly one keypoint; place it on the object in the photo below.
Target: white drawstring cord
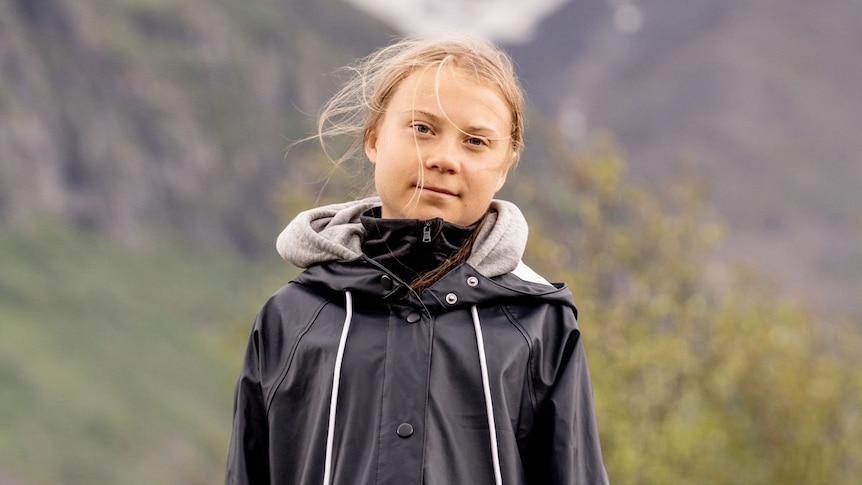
(336, 380)
(489, 405)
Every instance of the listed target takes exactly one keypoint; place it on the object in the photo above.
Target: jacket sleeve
(564, 446)
(248, 455)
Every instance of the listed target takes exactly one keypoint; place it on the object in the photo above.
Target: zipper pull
(426, 232)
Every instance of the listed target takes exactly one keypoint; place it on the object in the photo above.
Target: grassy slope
(117, 366)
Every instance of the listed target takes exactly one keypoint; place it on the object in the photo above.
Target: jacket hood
(334, 233)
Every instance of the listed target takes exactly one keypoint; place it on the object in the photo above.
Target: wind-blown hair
(356, 109)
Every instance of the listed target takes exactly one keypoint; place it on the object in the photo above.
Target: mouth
(439, 190)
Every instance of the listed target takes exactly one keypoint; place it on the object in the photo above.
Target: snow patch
(505, 21)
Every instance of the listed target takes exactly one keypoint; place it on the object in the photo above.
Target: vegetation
(115, 363)
(702, 372)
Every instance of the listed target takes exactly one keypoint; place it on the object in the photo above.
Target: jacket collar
(411, 247)
(335, 233)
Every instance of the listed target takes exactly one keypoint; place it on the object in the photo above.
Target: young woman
(416, 347)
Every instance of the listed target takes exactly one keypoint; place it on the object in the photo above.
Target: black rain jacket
(350, 378)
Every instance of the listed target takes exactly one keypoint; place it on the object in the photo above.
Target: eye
(476, 141)
(421, 128)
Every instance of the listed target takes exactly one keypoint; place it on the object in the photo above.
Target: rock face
(144, 119)
(760, 99)
(139, 119)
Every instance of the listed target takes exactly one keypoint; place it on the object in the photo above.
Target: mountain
(760, 100)
(140, 119)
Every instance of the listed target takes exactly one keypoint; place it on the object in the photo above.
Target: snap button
(413, 317)
(451, 298)
(386, 282)
(405, 430)
(472, 281)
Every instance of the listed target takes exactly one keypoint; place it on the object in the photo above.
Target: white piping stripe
(489, 405)
(336, 381)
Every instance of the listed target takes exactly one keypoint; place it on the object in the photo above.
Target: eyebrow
(473, 130)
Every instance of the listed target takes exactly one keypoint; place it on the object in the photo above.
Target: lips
(439, 190)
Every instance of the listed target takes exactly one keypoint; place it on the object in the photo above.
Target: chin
(425, 211)
(431, 214)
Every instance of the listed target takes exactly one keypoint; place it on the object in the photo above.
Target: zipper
(426, 232)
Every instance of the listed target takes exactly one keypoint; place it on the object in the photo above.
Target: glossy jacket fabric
(410, 402)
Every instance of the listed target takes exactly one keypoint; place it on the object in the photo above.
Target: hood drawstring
(489, 404)
(336, 381)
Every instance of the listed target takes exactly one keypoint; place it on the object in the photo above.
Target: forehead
(451, 93)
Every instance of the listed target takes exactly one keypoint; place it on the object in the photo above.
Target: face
(441, 151)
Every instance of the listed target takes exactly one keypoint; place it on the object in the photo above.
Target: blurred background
(692, 171)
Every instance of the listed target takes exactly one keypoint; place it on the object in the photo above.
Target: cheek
(501, 180)
(494, 179)
(387, 176)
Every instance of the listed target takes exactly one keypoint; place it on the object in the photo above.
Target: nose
(443, 156)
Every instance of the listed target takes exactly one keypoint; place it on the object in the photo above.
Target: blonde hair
(358, 107)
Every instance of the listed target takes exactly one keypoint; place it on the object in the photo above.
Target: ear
(371, 145)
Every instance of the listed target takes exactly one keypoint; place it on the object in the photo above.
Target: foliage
(117, 363)
(114, 363)
(702, 372)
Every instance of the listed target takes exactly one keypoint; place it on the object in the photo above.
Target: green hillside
(116, 363)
